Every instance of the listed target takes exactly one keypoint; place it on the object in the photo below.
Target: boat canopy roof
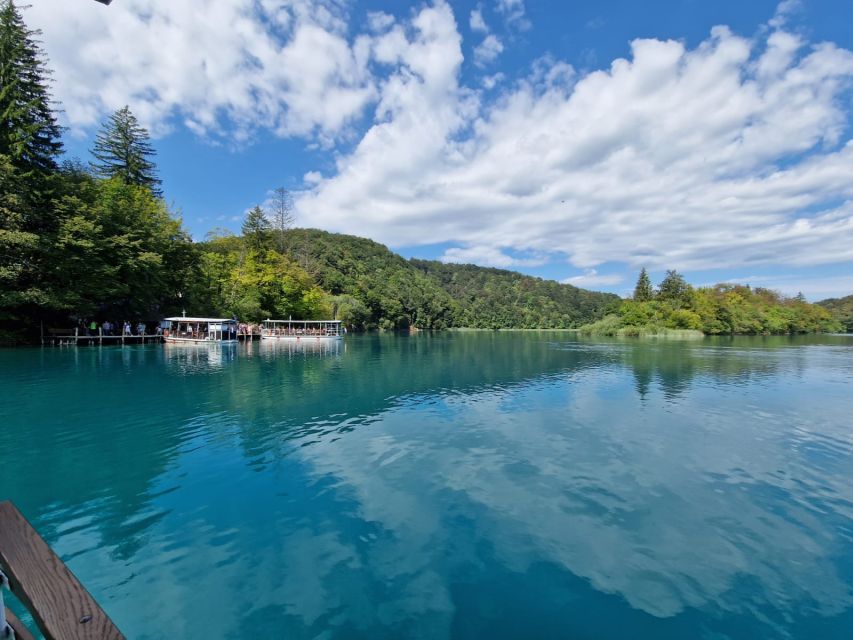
(188, 319)
(303, 321)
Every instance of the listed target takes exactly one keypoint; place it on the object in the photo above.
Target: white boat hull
(171, 340)
(302, 338)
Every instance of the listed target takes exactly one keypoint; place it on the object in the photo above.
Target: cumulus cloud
(513, 12)
(488, 50)
(236, 66)
(735, 152)
(488, 257)
(476, 21)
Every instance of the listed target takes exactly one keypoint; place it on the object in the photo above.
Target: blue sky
(572, 140)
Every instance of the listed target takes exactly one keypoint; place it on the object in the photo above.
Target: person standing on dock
(93, 328)
(126, 330)
(140, 329)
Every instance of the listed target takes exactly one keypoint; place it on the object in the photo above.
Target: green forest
(675, 306)
(841, 309)
(97, 241)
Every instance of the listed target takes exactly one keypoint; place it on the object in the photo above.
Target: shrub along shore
(676, 309)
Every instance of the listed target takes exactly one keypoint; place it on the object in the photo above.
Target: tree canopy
(721, 309)
(29, 133)
(123, 150)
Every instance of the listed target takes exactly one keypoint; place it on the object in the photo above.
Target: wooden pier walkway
(65, 337)
(59, 604)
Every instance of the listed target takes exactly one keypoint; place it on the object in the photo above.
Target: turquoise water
(513, 485)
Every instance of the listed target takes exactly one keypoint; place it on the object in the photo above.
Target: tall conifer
(123, 149)
(643, 292)
(29, 133)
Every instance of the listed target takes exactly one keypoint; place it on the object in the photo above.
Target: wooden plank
(21, 632)
(60, 605)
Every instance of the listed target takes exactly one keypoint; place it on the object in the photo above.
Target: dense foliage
(841, 309)
(245, 277)
(495, 298)
(71, 245)
(721, 309)
(375, 287)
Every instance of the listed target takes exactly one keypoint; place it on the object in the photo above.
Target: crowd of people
(109, 328)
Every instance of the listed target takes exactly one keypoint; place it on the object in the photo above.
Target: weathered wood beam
(60, 605)
(21, 632)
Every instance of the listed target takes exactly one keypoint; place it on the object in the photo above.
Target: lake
(455, 485)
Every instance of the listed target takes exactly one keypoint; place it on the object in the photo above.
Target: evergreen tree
(674, 288)
(643, 292)
(255, 228)
(123, 150)
(29, 134)
(281, 215)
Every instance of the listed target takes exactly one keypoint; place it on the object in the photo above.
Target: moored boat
(302, 330)
(200, 330)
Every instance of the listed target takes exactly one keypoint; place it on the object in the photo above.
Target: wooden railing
(59, 604)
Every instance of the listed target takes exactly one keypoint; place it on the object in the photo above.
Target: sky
(572, 140)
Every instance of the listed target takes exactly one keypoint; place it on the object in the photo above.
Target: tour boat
(302, 330)
(200, 330)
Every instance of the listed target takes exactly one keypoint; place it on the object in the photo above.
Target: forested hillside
(495, 298)
(316, 274)
(841, 309)
(309, 273)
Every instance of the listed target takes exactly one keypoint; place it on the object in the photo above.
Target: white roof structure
(304, 321)
(188, 319)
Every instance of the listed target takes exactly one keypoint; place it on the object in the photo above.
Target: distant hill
(496, 298)
(432, 295)
(842, 309)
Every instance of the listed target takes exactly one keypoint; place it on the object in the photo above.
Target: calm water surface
(518, 485)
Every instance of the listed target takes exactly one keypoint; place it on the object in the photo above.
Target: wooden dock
(65, 337)
(59, 604)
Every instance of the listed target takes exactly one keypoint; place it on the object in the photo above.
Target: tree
(281, 216)
(674, 288)
(255, 228)
(643, 292)
(29, 134)
(123, 150)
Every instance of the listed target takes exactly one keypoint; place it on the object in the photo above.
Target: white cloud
(476, 21)
(235, 66)
(784, 10)
(488, 257)
(736, 152)
(379, 21)
(591, 278)
(513, 12)
(488, 50)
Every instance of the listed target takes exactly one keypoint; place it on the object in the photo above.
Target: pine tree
(255, 228)
(281, 215)
(29, 133)
(643, 292)
(122, 149)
